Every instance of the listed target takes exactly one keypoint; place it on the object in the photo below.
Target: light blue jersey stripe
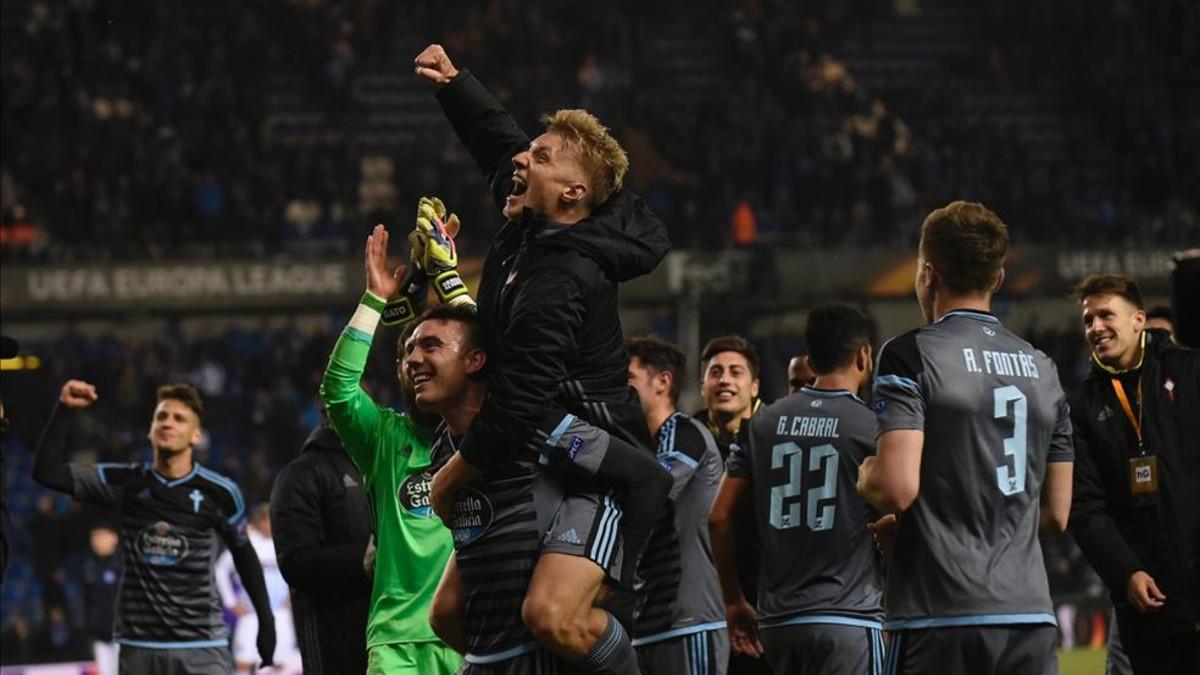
(505, 655)
(977, 620)
(830, 619)
(198, 644)
(678, 632)
(897, 381)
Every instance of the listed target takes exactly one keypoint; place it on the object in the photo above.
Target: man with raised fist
(558, 385)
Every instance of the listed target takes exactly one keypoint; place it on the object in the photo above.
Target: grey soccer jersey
(817, 561)
(170, 532)
(993, 413)
(497, 525)
(678, 590)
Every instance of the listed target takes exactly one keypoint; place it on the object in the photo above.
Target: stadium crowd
(144, 130)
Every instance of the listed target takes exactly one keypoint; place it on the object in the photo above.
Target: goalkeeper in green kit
(393, 452)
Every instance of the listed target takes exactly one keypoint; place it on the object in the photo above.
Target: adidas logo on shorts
(570, 537)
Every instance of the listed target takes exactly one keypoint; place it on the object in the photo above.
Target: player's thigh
(1002, 650)
(413, 658)
(823, 648)
(204, 661)
(703, 653)
(587, 526)
(1027, 649)
(565, 584)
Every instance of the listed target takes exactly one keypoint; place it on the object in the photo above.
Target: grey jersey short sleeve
(993, 414)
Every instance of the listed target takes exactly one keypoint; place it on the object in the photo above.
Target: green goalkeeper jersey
(393, 454)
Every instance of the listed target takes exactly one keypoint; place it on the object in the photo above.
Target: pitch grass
(1084, 661)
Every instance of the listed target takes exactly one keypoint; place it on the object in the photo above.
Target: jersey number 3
(1012, 480)
(785, 508)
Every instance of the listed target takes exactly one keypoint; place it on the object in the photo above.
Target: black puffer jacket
(548, 300)
(1160, 535)
(321, 522)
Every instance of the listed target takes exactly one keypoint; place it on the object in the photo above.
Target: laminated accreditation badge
(1143, 475)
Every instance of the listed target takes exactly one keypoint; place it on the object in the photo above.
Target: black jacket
(1118, 533)
(321, 522)
(548, 300)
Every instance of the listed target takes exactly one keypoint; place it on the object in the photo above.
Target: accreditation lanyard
(1135, 422)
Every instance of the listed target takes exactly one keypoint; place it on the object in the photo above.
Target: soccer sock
(644, 487)
(612, 654)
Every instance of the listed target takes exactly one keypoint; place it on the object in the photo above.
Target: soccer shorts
(536, 662)
(412, 658)
(588, 526)
(812, 648)
(195, 661)
(702, 653)
(1001, 650)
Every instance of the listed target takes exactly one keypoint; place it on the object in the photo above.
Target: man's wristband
(398, 312)
(449, 285)
(366, 317)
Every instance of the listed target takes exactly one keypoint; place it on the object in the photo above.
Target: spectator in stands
(58, 640)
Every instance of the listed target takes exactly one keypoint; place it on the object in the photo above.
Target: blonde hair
(604, 161)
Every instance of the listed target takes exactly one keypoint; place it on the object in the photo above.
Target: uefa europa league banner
(787, 276)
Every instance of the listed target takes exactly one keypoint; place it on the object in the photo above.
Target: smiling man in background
(1137, 474)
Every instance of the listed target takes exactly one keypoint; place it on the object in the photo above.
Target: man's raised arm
(481, 122)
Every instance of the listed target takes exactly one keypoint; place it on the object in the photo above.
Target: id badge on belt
(1143, 475)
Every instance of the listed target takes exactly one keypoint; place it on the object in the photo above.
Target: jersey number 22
(785, 508)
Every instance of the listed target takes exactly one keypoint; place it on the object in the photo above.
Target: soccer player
(974, 455)
(235, 599)
(729, 387)
(394, 455)
(680, 626)
(497, 521)
(172, 512)
(820, 589)
(558, 382)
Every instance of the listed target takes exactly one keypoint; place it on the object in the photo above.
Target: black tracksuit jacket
(321, 522)
(548, 301)
(1121, 534)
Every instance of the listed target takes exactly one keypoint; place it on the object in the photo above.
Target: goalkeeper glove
(433, 241)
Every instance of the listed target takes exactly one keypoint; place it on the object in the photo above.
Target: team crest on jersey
(472, 516)
(989, 332)
(161, 544)
(414, 493)
(816, 404)
(879, 405)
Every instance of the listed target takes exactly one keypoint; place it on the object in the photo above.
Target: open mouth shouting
(519, 187)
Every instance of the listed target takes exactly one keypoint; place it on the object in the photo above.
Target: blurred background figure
(799, 373)
(101, 575)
